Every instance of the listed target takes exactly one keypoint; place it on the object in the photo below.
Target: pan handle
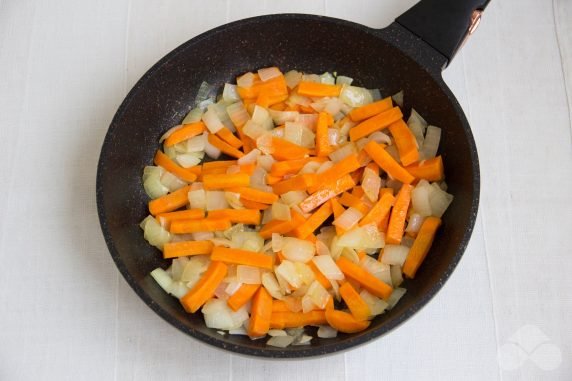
(444, 24)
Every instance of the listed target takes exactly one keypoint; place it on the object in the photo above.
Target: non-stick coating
(308, 43)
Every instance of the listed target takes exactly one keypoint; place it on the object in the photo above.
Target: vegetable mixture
(325, 199)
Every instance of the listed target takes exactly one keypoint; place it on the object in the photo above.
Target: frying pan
(407, 55)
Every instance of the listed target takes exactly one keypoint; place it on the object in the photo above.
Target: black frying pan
(408, 55)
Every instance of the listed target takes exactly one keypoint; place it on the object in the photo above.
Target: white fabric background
(65, 312)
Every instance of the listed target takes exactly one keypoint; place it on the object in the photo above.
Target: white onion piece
(281, 212)
(197, 198)
(277, 333)
(417, 125)
(280, 341)
(298, 250)
(171, 152)
(327, 234)
(299, 134)
(251, 241)
(414, 224)
(303, 340)
(398, 98)
(193, 116)
(238, 331)
(248, 274)
(311, 78)
(319, 106)
(285, 287)
(152, 182)
(229, 93)
(431, 143)
(177, 267)
(328, 79)
(327, 332)
(292, 78)
(237, 114)
(245, 80)
(307, 120)
(350, 254)
(281, 117)
(396, 275)
(265, 162)
(218, 315)
(215, 200)
(196, 144)
(220, 291)
(293, 197)
(355, 96)
(335, 248)
(333, 135)
(233, 200)
(376, 305)
(170, 132)
(278, 132)
(380, 137)
(287, 270)
(266, 216)
(202, 236)
(271, 285)
(318, 294)
(212, 121)
(249, 158)
(217, 241)
(211, 150)
(439, 200)
(264, 143)
(328, 267)
(155, 234)
(324, 167)
(375, 94)
(395, 296)
(258, 180)
(268, 73)
(363, 237)
(322, 248)
(163, 279)
(343, 152)
(277, 242)
(259, 115)
(307, 304)
(407, 241)
(394, 254)
(310, 167)
(297, 99)
(348, 219)
(187, 160)
(371, 183)
(232, 288)
(343, 80)
(380, 270)
(305, 272)
(420, 198)
(194, 269)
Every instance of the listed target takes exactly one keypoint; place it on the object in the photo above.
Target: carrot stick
(282, 227)
(319, 276)
(226, 135)
(164, 161)
(272, 180)
(165, 219)
(204, 225)
(369, 110)
(314, 221)
(242, 257)
(379, 211)
(285, 150)
(279, 106)
(327, 192)
(186, 132)
(323, 147)
(247, 168)
(289, 167)
(186, 248)
(387, 163)
(170, 202)
(352, 201)
(313, 89)
(260, 314)
(376, 123)
(224, 146)
(204, 289)
(267, 99)
(358, 307)
(364, 278)
(218, 164)
(398, 215)
(243, 216)
(300, 182)
(430, 169)
(358, 192)
(421, 246)
(249, 204)
(196, 169)
(255, 195)
(344, 322)
(242, 296)
(280, 306)
(281, 320)
(221, 181)
(405, 142)
(338, 209)
(341, 168)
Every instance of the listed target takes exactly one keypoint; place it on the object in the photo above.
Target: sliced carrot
(379, 211)
(321, 278)
(226, 135)
(385, 220)
(338, 209)
(279, 106)
(186, 132)
(281, 320)
(247, 168)
(398, 215)
(375, 123)
(196, 169)
(271, 180)
(170, 202)
(358, 192)
(242, 296)
(260, 314)
(255, 195)
(165, 219)
(327, 192)
(313, 89)
(352, 201)
(267, 99)
(297, 183)
(387, 163)
(364, 278)
(383, 191)
(186, 248)
(249, 204)
(369, 110)
(341, 168)
(220, 181)
(242, 257)
(314, 221)
(280, 306)
(204, 289)
(164, 161)
(405, 142)
(285, 150)
(224, 146)
(193, 226)
(210, 166)
(323, 147)
(345, 322)
(421, 246)
(430, 169)
(289, 167)
(282, 227)
(242, 216)
(358, 307)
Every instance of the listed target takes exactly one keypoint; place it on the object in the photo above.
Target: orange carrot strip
(218, 164)
(267, 99)
(383, 191)
(297, 183)
(430, 169)
(193, 226)
(247, 168)
(186, 248)
(226, 135)
(321, 278)
(388, 163)
(204, 289)
(242, 257)
(398, 215)
(255, 195)
(338, 209)
(369, 110)
(242, 296)
(197, 169)
(249, 204)
(290, 167)
(282, 227)
(341, 168)
(323, 147)
(313, 89)
(260, 314)
(421, 246)
(164, 161)
(170, 202)
(279, 106)
(350, 200)
(327, 192)
(358, 307)
(285, 150)
(379, 211)
(314, 221)
(374, 167)
(243, 216)
(358, 192)
(364, 278)
(280, 306)
(375, 123)
(222, 181)
(186, 132)
(271, 180)
(345, 322)
(405, 142)
(224, 146)
(165, 219)
(281, 320)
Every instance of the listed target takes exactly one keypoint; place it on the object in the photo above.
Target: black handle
(443, 24)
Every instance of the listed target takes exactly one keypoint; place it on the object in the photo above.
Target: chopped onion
(292, 78)
(395, 296)
(205, 95)
(238, 331)
(371, 183)
(268, 73)
(265, 162)
(258, 180)
(318, 294)
(343, 152)
(420, 198)
(220, 291)
(380, 270)
(322, 248)
(328, 79)
(232, 288)
(431, 143)
(307, 304)
(277, 333)
(392, 150)
(394, 254)
(343, 80)
(333, 106)
(303, 340)
(171, 152)
(287, 270)
(152, 182)
(215, 200)
(417, 125)
(179, 289)
(251, 241)
(266, 216)
(333, 135)
(363, 237)
(249, 158)
(285, 287)
(177, 267)
(233, 199)
(439, 200)
(193, 116)
(335, 248)
(307, 120)
(280, 341)
(320, 105)
(328, 267)
(212, 121)
(376, 305)
(281, 117)
(196, 144)
(293, 197)
(264, 143)
(163, 279)
(310, 167)
(396, 275)
(277, 242)
(380, 137)
(305, 272)
(219, 241)
(211, 150)
(253, 130)
(355, 96)
(324, 167)
(260, 115)
(202, 236)
(298, 250)
(348, 219)
(155, 234)
(170, 132)
(229, 93)
(398, 98)
(311, 78)
(414, 224)
(187, 160)
(327, 332)
(281, 212)
(237, 114)
(350, 254)
(218, 315)
(248, 274)
(197, 199)
(245, 80)
(297, 99)
(299, 134)
(271, 285)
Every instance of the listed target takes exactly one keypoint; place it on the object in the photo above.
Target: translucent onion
(420, 198)
(328, 267)
(292, 78)
(343, 80)
(220, 291)
(293, 197)
(163, 279)
(237, 114)
(307, 120)
(305, 272)
(394, 254)
(281, 212)
(376, 305)
(396, 275)
(310, 167)
(265, 162)
(193, 116)
(280, 341)
(233, 199)
(187, 160)
(375, 94)
(355, 96)
(371, 183)
(431, 143)
(245, 80)
(343, 152)
(171, 152)
(277, 242)
(179, 289)
(348, 219)
(271, 285)
(325, 166)
(439, 200)
(303, 340)
(318, 294)
(311, 78)
(251, 241)
(298, 250)
(380, 270)
(395, 296)
(202, 236)
(258, 180)
(327, 78)
(268, 73)
(264, 143)
(196, 144)
(417, 125)
(322, 248)
(380, 137)
(218, 315)
(327, 332)
(248, 274)
(232, 287)
(211, 150)
(281, 117)
(229, 93)
(307, 304)
(363, 237)
(155, 234)
(253, 130)
(260, 115)
(398, 98)
(177, 267)
(414, 224)
(277, 333)
(297, 99)
(287, 270)
(249, 158)
(170, 132)
(197, 199)
(212, 121)
(152, 184)
(215, 200)
(333, 135)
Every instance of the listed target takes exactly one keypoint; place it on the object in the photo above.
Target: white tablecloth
(67, 314)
